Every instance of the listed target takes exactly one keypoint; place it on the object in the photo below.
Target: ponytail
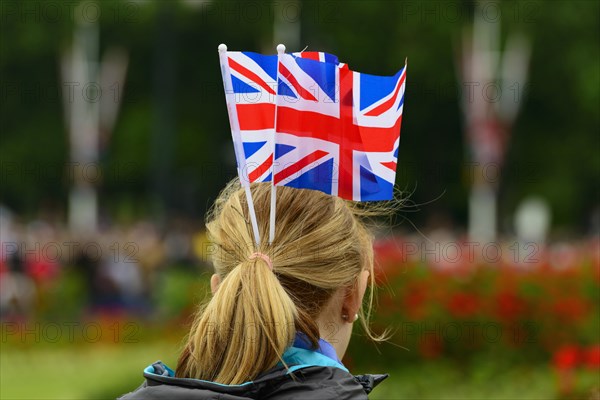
(253, 317)
(243, 330)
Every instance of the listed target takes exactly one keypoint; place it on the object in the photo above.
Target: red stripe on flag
(262, 168)
(298, 165)
(305, 94)
(351, 136)
(380, 109)
(250, 75)
(325, 127)
(312, 55)
(253, 117)
(390, 164)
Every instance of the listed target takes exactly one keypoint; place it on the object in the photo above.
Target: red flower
(462, 305)
(390, 259)
(570, 309)
(509, 306)
(566, 357)
(592, 357)
(415, 301)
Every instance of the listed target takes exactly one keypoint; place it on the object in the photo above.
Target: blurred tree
(553, 151)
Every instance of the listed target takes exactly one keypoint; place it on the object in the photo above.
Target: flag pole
(237, 138)
(280, 52)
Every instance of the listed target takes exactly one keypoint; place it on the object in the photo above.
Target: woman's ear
(214, 283)
(354, 297)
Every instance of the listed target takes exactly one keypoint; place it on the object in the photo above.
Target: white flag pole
(280, 52)
(237, 138)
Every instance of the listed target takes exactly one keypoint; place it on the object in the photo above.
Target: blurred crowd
(117, 266)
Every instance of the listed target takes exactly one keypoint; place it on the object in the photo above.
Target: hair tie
(264, 257)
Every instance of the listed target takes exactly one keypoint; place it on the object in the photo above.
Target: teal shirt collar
(294, 357)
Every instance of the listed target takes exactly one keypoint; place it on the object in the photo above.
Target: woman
(281, 316)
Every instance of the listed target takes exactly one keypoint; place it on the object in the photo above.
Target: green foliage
(552, 151)
(117, 369)
(180, 291)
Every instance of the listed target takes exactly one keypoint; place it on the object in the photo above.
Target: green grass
(98, 371)
(443, 380)
(81, 371)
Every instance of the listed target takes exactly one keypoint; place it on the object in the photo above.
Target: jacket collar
(369, 381)
(324, 347)
(297, 357)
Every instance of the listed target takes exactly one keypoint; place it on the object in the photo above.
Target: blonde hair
(320, 246)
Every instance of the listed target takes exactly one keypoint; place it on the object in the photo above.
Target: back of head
(320, 246)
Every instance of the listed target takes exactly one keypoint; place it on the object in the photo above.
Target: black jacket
(311, 376)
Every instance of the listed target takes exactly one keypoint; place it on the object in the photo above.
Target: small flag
(337, 130)
(253, 80)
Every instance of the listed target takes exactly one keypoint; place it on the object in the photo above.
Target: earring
(345, 317)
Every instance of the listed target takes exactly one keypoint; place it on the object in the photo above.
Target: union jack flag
(337, 130)
(253, 82)
(318, 56)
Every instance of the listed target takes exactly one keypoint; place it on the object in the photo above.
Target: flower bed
(460, 305)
